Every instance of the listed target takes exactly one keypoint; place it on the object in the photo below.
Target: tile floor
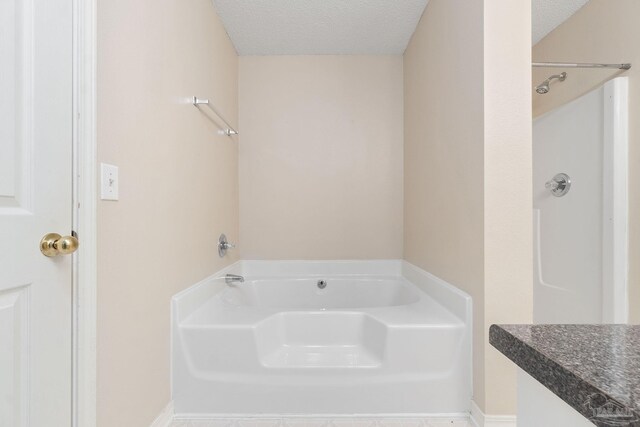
(325, 422)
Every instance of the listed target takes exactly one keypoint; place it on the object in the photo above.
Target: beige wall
(466, 128)
(508, 200)
(443, 153)
(178, 187)
(602, 31)
(321, 157)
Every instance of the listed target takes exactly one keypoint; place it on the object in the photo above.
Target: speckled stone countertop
(593, 368)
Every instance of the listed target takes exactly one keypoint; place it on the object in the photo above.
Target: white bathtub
(382, 338)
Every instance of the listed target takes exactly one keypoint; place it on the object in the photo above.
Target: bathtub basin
(371, 342)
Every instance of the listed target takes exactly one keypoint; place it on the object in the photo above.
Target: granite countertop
(593, 368)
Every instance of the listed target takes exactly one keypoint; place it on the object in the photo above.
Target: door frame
(84, 306)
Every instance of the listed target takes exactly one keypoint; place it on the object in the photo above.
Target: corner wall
(467, 129)
(178, 187)
(443, 153)
(508, 199)
(602, 31)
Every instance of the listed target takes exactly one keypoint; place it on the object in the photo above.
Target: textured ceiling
(316, 27)
(546, 15)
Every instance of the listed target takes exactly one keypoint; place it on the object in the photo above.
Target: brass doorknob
(53, 244)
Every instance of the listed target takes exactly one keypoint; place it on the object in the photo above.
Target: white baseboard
(440, 418)
(165, 418)
(480, 419)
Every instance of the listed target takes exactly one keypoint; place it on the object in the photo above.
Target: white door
(580, 237)
(35, 199)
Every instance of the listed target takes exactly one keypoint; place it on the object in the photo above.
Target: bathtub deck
(217, 313)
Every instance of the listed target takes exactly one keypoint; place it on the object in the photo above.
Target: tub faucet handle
(224, 245)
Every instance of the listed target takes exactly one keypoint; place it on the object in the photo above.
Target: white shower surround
(384, 338)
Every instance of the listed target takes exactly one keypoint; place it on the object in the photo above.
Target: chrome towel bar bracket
(229, 130)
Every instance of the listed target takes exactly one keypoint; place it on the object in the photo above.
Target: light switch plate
(109, 182)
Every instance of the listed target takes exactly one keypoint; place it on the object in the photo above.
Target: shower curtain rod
(578, 65)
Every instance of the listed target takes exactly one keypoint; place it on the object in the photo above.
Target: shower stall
(580, 207)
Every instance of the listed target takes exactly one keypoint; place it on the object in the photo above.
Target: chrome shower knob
(559, 185)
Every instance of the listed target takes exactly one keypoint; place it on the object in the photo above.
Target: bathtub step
(303, 356)
(320, 340)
